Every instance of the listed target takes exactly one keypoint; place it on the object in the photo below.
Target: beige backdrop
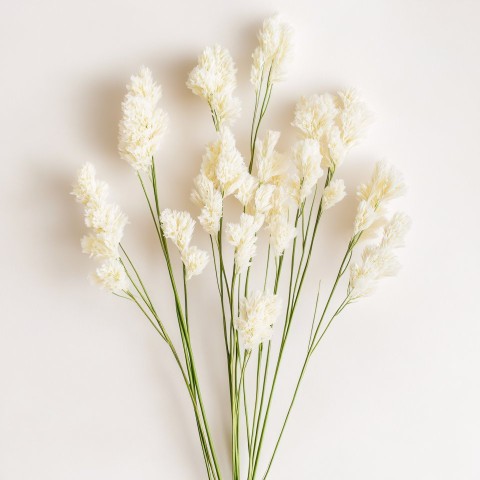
(87, 391)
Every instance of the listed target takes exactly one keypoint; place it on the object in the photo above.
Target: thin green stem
(263, 109)
(182, 322)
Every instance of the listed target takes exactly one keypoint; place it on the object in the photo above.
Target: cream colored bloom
(307, 160)
(223, 164)
(354, 116)
(274, 51)
(270, 164)
(105, 220)
(111, 276)
(315, 116)
(178, 227)
(263, 200)
(395, 230)
(104, 217)
(99, 246)
(281, 200)
(210, 201)
(143, 124)
(364, 218)
(378, 261)
(336, 122)
(88, 188)
(214, 79)
(246, 189)
(333, 148)
(333, 193)
(258, 313)
(195, 261)
(281, 234)
(242, 236)
(376, 264)
(385, 184)
(376, 226)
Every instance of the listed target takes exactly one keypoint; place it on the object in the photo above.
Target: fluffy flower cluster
(270, 164)
(178, 227)
(223, 164)
(307, 160)
(385, 184)
(336, 122)
(243, 237)
(106, 222)
(256, 193)
(273, 52)
(143, 124)
(282, 232)
(258, 313)
(210, 200)
(334, 192)
(315, 115)
(111, 276)
(380, 260)
(261, 202)
(246, 189)
(266, 196)
(214, 80)
(353, 116)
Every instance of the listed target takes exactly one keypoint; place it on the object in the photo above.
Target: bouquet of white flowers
(282, 196)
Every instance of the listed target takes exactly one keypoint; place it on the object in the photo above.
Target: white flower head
(143, 124)
(315, 115)
(111, 276)
(281, 199)
(307, 160)
(88, 188)
(395, 230)
(270, 164)
(105, 220)
(210, 200)
(263, 200)
(223, 164)
(258, 313)
(375, 228)
(385, 184)
(195, 261)
(99, 246)
(333, 193)
(376, 264)
(333, 148)
(380, 260)
(364, 218)
(178, 227)
(242, 236)
(246, 189)
(274, 51)
(281, 234)
(214, 79)
(354, 116)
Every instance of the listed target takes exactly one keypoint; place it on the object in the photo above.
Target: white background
(87, 391)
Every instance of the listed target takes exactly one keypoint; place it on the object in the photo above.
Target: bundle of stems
(284, 195)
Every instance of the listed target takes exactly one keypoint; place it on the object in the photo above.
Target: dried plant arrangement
(282, 198)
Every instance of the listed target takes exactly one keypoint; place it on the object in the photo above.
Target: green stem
(302, 373)
(263, 109)
(189, 358)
